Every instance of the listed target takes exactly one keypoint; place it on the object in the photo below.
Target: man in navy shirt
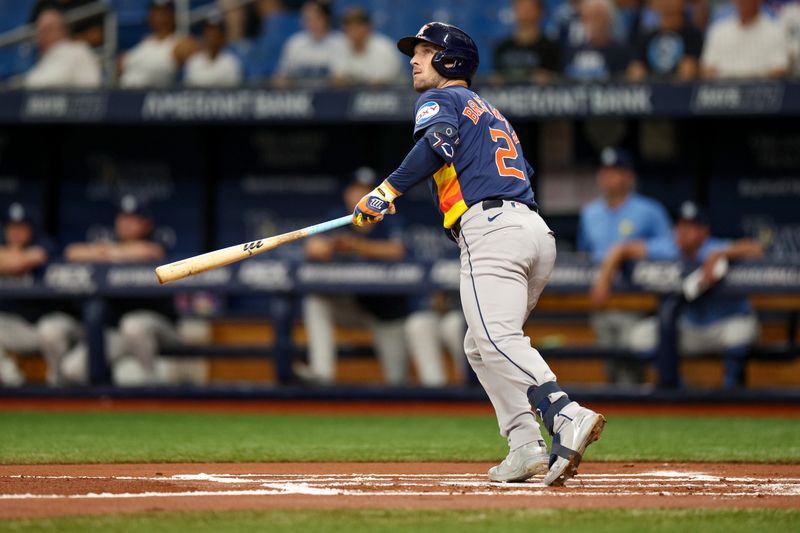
(600, 57)
(383, 314)
(29, 326)
(528, 55)
(709, 323)
(671, 51)
(480, 180)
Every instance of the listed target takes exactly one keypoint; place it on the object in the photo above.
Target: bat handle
(329, 225)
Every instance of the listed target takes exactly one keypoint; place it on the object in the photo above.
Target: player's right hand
(374, 205)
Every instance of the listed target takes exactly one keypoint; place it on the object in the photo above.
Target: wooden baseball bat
(225, 256)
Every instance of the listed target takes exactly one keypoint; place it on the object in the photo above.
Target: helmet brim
(407, 44)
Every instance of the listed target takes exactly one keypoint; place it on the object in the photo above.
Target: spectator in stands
(565, 26)
(155, 61)
(146, 325)
(26, 327)
(213, 66)
(748, 45)
(600, 58)
(671, 51)
(309, 55)
(633, 19)
(367, 57)
(711, 322)
(243, 21)
(619, 215)
(699, 13)
(384, 315)
(88, 30)
(528, 55)
(789, 18)
(63, 63)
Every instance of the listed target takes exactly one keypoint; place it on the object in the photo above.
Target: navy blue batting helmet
(459, 55)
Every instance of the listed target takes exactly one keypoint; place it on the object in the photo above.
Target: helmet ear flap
(441, 60)
(438, 62)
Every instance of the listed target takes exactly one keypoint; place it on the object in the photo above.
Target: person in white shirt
(746, 45)
(155, 61)
(367, 57)
(789, 18)
(213, 66)
(63, 63)
(308, 55)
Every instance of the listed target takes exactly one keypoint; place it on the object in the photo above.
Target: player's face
(132, 227)
(613, 181)
(18, 234)
(424, 75)
(690, 236)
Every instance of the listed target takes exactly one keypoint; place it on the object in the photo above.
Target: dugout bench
(777, 287)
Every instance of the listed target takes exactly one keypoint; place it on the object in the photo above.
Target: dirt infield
(56, 490)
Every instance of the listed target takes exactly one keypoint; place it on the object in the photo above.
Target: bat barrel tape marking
(225, 256)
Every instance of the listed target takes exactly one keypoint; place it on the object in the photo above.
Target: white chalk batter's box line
(333, 485)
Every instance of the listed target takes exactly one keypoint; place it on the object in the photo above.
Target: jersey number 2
(501, 154)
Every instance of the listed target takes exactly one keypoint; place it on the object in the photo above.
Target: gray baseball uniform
(507, 255)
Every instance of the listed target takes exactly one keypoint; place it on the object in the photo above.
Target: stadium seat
(262, 59)
(14, 13)
(130, 11)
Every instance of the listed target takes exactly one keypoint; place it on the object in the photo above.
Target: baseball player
(714, 322)
(30, 326)
(618, 214)
(481, 183)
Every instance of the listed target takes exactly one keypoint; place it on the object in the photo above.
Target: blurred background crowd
(229, 43)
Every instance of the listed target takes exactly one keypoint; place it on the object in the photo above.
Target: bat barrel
(225, 256)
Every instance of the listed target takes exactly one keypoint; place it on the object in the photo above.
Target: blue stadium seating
(262, 57)
(14, 13)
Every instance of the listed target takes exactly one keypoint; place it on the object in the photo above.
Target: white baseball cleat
(570, 443)
(526, 461)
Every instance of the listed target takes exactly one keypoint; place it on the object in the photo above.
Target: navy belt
(493, 203)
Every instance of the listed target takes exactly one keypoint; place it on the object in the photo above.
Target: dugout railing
(282, 284)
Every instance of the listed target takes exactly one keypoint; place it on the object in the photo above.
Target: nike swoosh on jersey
(491, 219)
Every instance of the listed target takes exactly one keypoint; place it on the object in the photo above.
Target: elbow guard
(443, 140)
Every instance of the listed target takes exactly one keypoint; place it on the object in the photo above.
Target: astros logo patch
(426, 112)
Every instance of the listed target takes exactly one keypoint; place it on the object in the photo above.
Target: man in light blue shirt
(709, 323)
(618, 215)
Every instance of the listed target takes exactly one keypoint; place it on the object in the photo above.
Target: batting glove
(373, 206)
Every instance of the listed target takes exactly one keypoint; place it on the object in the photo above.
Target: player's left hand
(374, 205)
(712, 271)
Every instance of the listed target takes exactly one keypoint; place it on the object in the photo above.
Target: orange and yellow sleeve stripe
(451, 201)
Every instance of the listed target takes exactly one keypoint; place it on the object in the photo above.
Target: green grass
(37, 437)
(356, 521)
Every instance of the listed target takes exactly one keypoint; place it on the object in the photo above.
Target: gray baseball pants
(507, 256)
